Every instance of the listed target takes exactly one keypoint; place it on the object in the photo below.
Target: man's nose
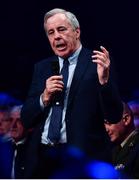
(14, 125)
(106, 127)
(56, 35)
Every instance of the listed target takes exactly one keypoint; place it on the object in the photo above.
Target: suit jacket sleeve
(32, 113)
(111, 103)
(110, 99)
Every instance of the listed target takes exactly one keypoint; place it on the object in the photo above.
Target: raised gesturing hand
(103, 64)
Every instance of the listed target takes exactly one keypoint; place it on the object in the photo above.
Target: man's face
(115, 131)
(5, 123)
(63, 39)
(17, 130)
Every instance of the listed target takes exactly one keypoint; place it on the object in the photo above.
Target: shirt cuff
(41, 103)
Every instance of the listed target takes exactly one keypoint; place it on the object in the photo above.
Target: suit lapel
(123, 153)
(82, 64)
(129, 146)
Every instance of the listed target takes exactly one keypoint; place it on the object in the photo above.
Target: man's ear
(78, 32)
(126, 118)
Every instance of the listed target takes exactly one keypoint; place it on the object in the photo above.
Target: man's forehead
(57, 19)
(58, 15)
(4, 116)
(15, 114)
(3, 113)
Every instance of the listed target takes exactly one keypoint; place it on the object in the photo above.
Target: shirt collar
(131, 134)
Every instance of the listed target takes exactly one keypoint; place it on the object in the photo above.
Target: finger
(54, 89)
(101, 63)
(104, 50)
(56, 77)
(53, 86)
(59, 86)
(100, 55)
(102, 58)
(98, 52)
(57, 90)
(57, 82)
(97, 61)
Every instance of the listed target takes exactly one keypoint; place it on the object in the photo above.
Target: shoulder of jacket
(45, 61)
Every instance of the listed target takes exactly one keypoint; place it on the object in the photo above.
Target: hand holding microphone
(54, 84)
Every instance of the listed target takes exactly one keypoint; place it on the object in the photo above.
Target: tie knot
(64, 69)
(66, 61)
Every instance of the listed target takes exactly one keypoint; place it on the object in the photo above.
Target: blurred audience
(14, 138)
(6, 150)
(6, 102)
(125, 136)
(19, 135)
(6, 158)
(11, 132)
(17, 130)
(5, 124)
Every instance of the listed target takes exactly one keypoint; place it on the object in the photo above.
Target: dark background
(113, 24)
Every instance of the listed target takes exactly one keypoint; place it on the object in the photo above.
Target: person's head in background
(5, 121)
(134, 105)
(6, 102)
(119, 132)
(17, 130)
(63, 31)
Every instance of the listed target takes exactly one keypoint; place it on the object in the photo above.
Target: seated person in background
(6, 102)
(5, 124)
(126, 138)
(6, 151)
(134, 105)
(6, 141)
(17, 130)
(19, 135)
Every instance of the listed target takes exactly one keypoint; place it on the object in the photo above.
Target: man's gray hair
(70, 16)
(16, 108)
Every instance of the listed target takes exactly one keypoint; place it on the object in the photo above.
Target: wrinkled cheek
(53, 48)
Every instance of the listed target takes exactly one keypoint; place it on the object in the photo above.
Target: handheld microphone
(55, 70)
(55, 67)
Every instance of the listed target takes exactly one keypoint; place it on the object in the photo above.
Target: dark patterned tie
(57, 108)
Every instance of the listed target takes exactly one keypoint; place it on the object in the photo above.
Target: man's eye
(62, 29)
(50, 32)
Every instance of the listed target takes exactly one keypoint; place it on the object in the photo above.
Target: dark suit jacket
(88, 104)
(19, 164)
(126, 160)
(6, 158)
